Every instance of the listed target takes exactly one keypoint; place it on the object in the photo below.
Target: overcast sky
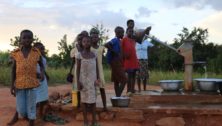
(51, 19)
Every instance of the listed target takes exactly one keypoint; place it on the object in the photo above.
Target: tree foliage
(160, 57)
(15, 41)
(63, 58)
(103, 33)
(165, 59)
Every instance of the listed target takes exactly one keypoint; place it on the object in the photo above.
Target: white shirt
(142, 49)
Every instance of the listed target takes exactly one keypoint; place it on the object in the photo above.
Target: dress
(131, 63)
(99, 53)
(87, 78)
(42, 89)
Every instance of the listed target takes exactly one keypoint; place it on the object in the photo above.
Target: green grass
(58, 76)
(5, 73)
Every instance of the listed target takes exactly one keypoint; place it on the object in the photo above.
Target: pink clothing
(130, 60)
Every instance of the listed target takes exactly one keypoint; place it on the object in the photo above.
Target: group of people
(127, 58)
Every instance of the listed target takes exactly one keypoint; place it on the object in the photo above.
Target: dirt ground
(7, 107)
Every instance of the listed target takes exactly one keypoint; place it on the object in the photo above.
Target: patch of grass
(58, 76)
(5, 76)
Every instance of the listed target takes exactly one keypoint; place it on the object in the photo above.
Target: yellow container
(74, 99)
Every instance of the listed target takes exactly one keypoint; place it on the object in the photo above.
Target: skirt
(143, 70)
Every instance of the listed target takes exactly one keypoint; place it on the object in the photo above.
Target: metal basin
(208, 84)
(120, 101)
(171, 85)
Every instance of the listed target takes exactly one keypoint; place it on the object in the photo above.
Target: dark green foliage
(65, 50)
(15, 41)
(103, 33)
(162, 58)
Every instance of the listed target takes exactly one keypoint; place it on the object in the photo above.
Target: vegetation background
(163, 62)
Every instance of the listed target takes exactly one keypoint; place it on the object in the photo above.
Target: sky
(50, 20)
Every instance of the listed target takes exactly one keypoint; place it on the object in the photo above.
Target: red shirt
(128, 47)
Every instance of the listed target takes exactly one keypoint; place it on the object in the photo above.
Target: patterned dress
(87, 78)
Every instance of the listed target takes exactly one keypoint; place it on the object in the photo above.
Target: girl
(42, 90)
(99, 50)
(24, 77)
(142, 55)
(88, 78)
(130, 62)
(78, 48)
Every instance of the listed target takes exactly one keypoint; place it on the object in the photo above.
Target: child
(42, 90)
(99, 50)
(142, 55)
(87, 76)
(24, 78)
(78, 48)
(114, 58)
(130, 61)
(130, 24)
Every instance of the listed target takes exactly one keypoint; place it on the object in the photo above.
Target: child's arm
(79, 84)
(42, 71)
(13, 76)
(97, 74)
(73, 63)
(108, 45)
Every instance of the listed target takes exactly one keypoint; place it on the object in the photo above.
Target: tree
(15, 41)
(65, 50)
(4, 58)
(103, 33)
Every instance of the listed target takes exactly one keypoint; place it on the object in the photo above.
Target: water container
(74, 99)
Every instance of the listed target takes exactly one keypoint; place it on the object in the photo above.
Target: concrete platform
(153, 108)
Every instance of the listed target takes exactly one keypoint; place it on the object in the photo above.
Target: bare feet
(31, 122)
(14, 120)
(105, 109)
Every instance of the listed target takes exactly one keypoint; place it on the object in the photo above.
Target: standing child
(114, 58)
(42, 90)
(77, 49)
(130, 61)
(142, 54)
(130, 24)
(24, 78)
(87, 76)
(99, 50)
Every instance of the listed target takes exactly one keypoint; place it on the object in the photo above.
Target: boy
(114, 58)
(24, 78)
